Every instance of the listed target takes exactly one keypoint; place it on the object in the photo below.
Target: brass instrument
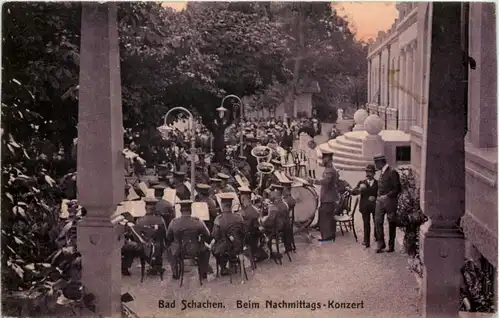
(262, 153)
(264, 168)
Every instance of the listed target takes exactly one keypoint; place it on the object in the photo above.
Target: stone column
(401, 93)
(411, 87)
(483, 80)
(443, 167)
(100, 161)
(369, 90)
(407, 86)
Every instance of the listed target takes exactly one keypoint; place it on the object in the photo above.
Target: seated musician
(250, 216)
(287, 195)
(152, 229)
(193, 246)
(215, 185)
(222, 245)
(276, 217)
(284, 214)
(181, 190)
(204, 196)
(163, 208)
(225, 187)
(202, 174)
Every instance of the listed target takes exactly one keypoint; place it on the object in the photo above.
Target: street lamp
(166, 129)
(222, 112)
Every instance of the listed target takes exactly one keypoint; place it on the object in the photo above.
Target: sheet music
(136, 208)
(200, 210)
(150, 193)
(144, 188)
(240, 181)
(132, 195)
(170, 195)
(278, 175)
(236, 201)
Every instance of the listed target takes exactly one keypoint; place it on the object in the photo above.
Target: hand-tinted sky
(367, 18)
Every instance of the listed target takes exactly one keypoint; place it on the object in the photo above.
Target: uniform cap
(244, 190)
(215, 180)
(223, 176)
(159, 187)
(185, 203)
(179, 174)
(202, 187)
(150, 201)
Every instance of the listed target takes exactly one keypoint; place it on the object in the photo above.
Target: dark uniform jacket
(275, 217)
(182, 192)
(329, 189)
(192, 243)
(221, 227)
(202, 174)
(227, 189)
(152, 228)
(250, 216)
(365, 205)
(212, 205)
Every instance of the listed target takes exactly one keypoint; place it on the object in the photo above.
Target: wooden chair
(236, 260)
(346, 217)
(183, 237)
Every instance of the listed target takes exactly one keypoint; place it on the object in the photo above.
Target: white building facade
(398, 91)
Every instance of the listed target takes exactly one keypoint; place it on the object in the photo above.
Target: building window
(403, 154)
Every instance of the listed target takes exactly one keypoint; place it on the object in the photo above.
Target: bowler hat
(370, 168)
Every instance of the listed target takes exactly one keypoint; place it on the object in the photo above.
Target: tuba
(262, 153)
(264, 169)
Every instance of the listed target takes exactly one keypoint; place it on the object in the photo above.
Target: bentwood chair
(346, 217)
(184, 238)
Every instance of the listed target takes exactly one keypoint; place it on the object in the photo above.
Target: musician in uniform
(244, 167)
(181, 190)
(222, 245)
(329, 197)
(225, 187)
(204, 196)
(202, 174)
(251, 160)
(163, 208)
(250, 216)
(193, 246)
(368, 189)
(274, 218)
(284, 214)
(153, 227)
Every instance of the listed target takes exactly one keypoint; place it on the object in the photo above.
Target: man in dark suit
(329, 197)
(389, 187)
(181, 190)
(368, 189)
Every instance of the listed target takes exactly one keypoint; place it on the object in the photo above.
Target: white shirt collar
(384, 168)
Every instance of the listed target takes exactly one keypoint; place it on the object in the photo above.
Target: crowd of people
(266, 207)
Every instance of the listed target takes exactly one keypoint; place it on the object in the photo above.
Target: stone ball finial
(373, 124)
(360, 116)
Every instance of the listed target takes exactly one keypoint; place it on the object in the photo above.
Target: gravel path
(343, 271)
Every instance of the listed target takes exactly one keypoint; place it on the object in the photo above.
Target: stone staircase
(348, 153)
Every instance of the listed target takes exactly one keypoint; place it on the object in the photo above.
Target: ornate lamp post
(222, 111)
(165, 130)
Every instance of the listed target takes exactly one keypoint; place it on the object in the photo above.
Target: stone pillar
(401, 93)
(407, 86)
(369, 88)
(483, 80)
(373, 145)
(443, 166)
(359, 119)
(100, 161)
